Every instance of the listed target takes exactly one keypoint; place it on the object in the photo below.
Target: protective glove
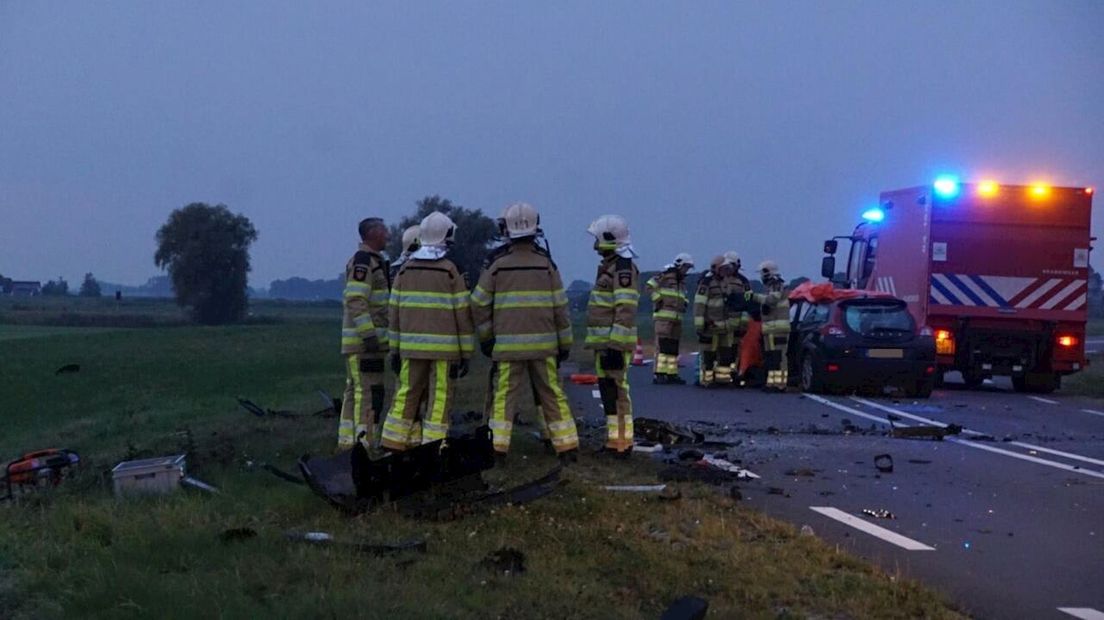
(371, 344)
(613, 359)
(396, 363)
(487, 346)
(748, 295)
(459, 370)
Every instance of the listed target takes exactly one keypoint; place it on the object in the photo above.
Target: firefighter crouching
(711, 321)
(668, 294)
(521, 316)
(364, 335)
(775, 305)
(611, 326)
(431, 336)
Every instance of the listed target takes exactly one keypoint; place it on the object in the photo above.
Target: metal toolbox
(156, 476)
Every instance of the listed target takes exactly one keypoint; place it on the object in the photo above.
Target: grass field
(78, 552)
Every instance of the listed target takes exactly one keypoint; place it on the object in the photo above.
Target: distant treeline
(306, 290)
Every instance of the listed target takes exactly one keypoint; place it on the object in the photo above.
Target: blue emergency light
(946, 186)
(873, 215)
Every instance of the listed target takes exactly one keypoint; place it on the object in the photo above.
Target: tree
(56, 288)
(474, 232)
(90, 287)
(206, 252)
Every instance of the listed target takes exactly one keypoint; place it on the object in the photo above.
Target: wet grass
(78, 552)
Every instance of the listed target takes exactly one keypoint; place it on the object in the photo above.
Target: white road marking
(596, 393)
(1044, 400)
(1085, 613)
(1093, 412)
(973, 444)
(845, 408)
(874, 530)
(1068, 455)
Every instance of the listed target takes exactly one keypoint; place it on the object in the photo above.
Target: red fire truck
(998, 273)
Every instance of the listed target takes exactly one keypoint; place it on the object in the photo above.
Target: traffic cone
(638, 354)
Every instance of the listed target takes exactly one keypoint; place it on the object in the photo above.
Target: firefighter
(521, 316)
(669, 302)
(738, 318)
(364, 334)
(611, 326)
(410, 244)
(431, 336)
(775, 308)
(711, 321)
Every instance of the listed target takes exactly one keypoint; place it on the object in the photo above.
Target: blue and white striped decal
(1008, 292)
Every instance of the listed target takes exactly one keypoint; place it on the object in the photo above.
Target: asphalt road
(1007, 518)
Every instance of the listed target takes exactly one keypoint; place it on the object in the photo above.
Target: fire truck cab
(998, 273)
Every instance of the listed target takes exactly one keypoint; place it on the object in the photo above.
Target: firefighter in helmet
(431, 336)
(668, 293)
(611, 325)
(775, 308)
(711, 321)
(364, 334)
(410, 244)
(738, 318)
(521, 318)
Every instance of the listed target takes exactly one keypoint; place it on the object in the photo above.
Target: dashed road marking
(845, 408)
(1044, 400)
(1068, 455)
(1085, 613)
(1093, 412)
(880, 532)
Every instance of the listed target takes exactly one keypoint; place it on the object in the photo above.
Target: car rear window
(867, 318)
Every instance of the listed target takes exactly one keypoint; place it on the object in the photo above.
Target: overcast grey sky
(757, 126)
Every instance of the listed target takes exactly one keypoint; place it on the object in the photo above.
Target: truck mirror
(830, 246)
(828, 266)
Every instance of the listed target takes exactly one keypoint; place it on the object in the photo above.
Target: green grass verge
(78, 552)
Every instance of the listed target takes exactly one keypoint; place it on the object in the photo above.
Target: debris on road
(920, 461)
(803, 472)
(878, 513)
(884, 463)
(584, 379)
(324, 539)
(67, 369)
(283, 475)
(923, 431)
(687, 608)
(665, 433)
(505, 561)
(777, 491)
(647, 447)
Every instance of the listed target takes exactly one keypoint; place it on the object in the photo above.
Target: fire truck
(998, 274)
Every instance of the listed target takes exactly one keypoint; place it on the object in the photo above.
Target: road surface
(1006, 519)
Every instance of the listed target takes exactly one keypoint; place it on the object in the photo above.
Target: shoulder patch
(624, 279)
(360, 273)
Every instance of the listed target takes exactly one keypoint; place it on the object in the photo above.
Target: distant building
(23, 288)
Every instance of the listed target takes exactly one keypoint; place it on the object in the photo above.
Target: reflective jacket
(520, 302)
(611, 311)
(669, 302)
(367, 288)
(776, 309)
(710, 305)
(430, 317)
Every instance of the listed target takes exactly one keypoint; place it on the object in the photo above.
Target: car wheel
(811, 380)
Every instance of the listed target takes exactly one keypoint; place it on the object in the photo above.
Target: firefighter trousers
(419, 381)
(516, 380)
(362, 403)
(774, 359)
(718, 359)
(667, 355)
(613, 387)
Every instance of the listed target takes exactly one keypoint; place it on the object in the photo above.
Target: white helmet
(520, 220)
(684, 259)
(716, 263)
(611, 232)
(732, 258)
(768, 269)
(410, 238)
(436, 229)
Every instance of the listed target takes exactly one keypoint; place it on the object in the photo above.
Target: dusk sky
(763, 127)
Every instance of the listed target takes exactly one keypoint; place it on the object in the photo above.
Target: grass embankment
(77, 552)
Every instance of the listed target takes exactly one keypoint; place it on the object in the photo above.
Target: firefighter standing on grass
(668, 294)
(364, 334)
(711, 321)
(776, 324)
(431, 336)
(611, 326)
(521, 316)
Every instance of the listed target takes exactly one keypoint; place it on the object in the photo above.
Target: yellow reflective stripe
(379, 298)
(435, 426)
(622, 334)
(522, 342)
(501, 428)
(625, 295)
(597, 334)
(566, 336)
(669, 315)
(481, 297)
(396, 429)
(565, 428)
(559, 298)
